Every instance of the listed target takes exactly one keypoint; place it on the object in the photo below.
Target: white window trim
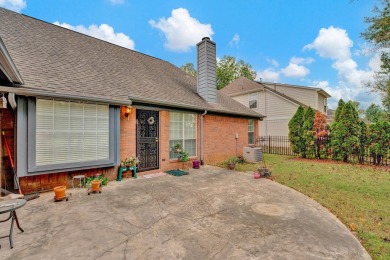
(257, 100)
(196, 134)
(251, 120)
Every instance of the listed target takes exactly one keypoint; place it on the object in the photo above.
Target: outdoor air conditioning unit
(253, 154)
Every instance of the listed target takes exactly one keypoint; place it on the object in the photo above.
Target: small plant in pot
(177, 148)
(232, 163)
(183, 156)
(129, 162)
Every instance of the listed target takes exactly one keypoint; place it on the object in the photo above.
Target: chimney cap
(205, 38)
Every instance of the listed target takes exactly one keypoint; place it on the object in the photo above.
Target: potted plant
(183, 156)
(129, 162)
(95, 185)
(232, 163)
(177, 148)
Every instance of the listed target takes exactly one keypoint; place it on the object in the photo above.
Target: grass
(358, 195)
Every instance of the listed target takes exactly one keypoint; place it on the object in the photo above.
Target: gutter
(201, 137)
(187, 106)
(48, 94)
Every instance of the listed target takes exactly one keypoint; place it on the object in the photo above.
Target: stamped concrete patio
(212, 213)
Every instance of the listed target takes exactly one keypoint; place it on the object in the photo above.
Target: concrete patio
(212, 213)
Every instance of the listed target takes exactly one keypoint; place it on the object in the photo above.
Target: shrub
(379, 141)
(295, 134)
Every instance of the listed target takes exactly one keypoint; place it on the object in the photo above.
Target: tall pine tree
(308, 134)
(295, 133)
(346, 133)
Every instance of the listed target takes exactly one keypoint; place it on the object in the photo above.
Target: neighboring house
(83, 105)
(278, 102)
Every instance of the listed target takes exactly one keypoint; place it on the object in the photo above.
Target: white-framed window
(253, 100)
(251, 131)
(70, 132)
(182, 129)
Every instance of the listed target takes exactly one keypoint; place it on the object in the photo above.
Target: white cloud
(182, 31)
(103, 32)
(299, 60)
(268, 74)
(295, 70)
(334, 43)
(117, 2)
(14, 5)
(235, 41)
(320, 84)
(274, 62)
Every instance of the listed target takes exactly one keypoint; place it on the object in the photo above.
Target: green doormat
(177, 172)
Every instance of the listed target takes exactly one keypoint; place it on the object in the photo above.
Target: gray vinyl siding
(244, 99)
(321, 103)
(26, 143)
(274, 127)
(306, 96)
(207, 81)
(277, 106)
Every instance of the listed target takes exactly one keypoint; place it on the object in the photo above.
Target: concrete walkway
(212, 213)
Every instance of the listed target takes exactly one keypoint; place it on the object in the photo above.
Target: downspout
(201, 137)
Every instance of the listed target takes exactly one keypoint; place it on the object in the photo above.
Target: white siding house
(278, 102)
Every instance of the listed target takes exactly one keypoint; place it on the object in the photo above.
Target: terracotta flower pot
(95, 185)
(59, 192)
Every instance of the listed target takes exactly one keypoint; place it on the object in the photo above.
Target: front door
(147, 139)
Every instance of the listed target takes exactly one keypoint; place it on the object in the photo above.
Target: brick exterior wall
(219, 145)
(220, 137)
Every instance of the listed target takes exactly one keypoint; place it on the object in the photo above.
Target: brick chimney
(207, 70)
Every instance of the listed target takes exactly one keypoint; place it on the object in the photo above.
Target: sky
(314, 43)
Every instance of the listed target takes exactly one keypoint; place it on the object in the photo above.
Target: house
(278, 102)
(79, 105)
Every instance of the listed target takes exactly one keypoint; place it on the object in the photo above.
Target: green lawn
(358, 195)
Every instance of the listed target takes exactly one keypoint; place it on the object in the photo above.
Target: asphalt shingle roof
(56, 60)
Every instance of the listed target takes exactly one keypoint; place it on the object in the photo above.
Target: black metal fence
(281, 145)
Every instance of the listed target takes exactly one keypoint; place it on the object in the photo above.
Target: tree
(379, 141)
(378, 33)
(345, 133)
(339, 108)
(375, 113)
(308, 133)
(295, 126)
(362, 142)
(321, 134)
(229, 69)
(189, 68)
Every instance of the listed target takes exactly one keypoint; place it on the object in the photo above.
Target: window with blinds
(70, 132)
(253, 100)
(251, 131)
(182, 129)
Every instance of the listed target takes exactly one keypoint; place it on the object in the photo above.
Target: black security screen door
(147, 139)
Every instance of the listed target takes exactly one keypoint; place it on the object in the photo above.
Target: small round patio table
(11, 206)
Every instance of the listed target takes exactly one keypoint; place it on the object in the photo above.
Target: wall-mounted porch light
(128, 111)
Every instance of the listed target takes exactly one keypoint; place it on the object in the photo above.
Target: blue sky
(303, 42)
